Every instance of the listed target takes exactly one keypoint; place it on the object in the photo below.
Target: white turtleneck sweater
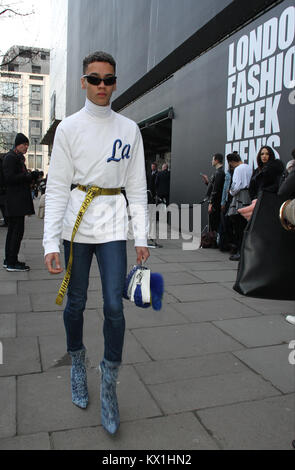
(95, 146)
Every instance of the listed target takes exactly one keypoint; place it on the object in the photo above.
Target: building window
(13, 68)
(39, 162)
(35, 134)
(35, 108)
(35, 128)
(36, 69)
(36, 92)
(31, 161)
(35, 163)
(36, 77)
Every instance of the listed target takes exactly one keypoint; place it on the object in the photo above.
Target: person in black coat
(18, 201)
(214, 192)
(151, 183)
(287, 189)
(2, 193)
(268, 174)
(163, 184)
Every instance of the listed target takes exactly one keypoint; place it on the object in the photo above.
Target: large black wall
(141, 34)
(138, 33)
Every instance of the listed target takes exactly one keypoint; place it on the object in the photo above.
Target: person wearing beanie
(20, 139)
(19, 201)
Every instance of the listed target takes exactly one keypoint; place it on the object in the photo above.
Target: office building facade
(24, 101)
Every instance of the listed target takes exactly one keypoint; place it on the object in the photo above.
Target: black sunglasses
(93, 80)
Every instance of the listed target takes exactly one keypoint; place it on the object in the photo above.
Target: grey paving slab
(259, 425)
(46, 302)
(50, 393)
(226, 275)
(155, 372)
(35, 262)
(20, 356)
(269, 306)
(179, 256)
(38, 324)
(181, 431)
(15, 303)
(41, 286)
(10, 276)
(273, 364)
(174, 279)
(166, 267)
(138, 317)
(169, 298)
(7, 406)
(7, 325)
(171, 342)
(208, 266)
(52, 350)
(208, 310)
(51, 285)
(258, 331)
(205, 392)
(199, 292)
(39, 441)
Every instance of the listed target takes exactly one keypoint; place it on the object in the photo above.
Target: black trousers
(214, 220)
(239, 224)
(15, 233)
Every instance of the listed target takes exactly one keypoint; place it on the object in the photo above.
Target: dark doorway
(156, 133)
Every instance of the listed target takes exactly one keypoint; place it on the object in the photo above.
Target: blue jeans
(112, 262)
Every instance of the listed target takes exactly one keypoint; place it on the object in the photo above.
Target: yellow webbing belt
(92, 192)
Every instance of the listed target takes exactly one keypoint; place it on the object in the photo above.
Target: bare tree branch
(14, 12)
(16, 56)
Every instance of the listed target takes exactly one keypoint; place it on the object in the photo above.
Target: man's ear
(83, 85)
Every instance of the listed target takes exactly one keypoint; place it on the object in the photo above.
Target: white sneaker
(291, 319)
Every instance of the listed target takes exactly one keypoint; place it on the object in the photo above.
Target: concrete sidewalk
(209, 371)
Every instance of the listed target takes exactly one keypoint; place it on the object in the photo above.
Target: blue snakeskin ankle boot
(79, 378)
(110, 418)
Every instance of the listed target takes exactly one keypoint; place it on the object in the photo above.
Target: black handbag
(267, 264)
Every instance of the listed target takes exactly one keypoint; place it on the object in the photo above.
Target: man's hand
(142, 253)
(205, 179)
(50, 260)
(209, 208)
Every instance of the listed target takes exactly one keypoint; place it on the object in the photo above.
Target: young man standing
(239, 189)
(98, 152)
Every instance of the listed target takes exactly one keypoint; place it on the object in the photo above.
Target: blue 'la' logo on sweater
(124, 152)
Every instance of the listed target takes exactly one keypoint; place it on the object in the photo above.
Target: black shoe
(18, 262)
(17, 267)
(235, 257)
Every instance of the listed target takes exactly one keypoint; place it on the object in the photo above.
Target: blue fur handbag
(144, 288)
